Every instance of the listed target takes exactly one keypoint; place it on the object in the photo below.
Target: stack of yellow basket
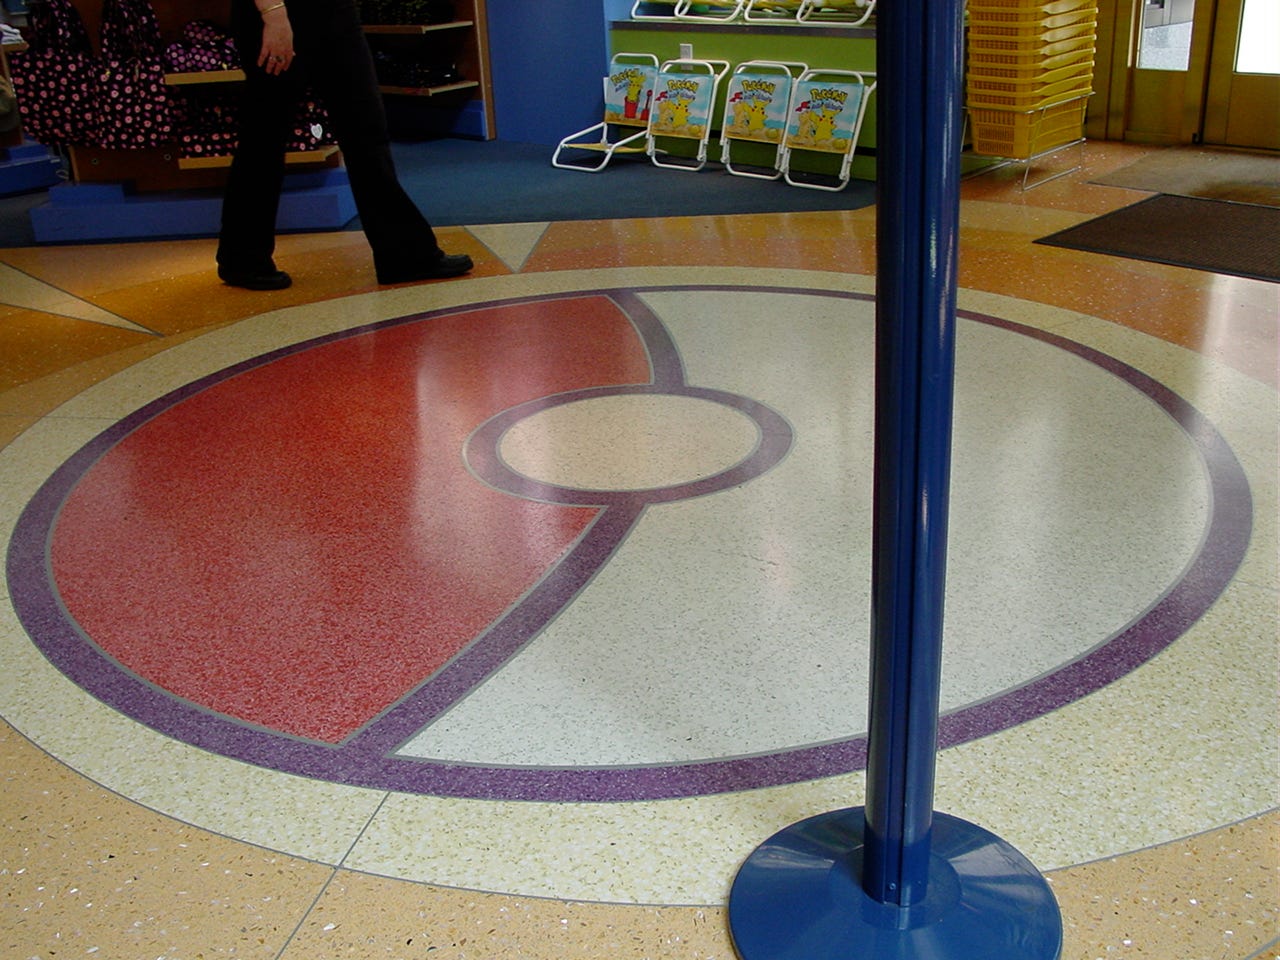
(1030, 74)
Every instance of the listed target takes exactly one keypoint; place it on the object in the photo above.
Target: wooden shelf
(430, 91)
(161, 169)
(203, 76)
(293, 157)
(414, 29)
(463, 43)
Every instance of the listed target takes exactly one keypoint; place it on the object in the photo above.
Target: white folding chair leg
(628, 90)
(811, 13)
(721, 12)
(645, 10)
(631, 144)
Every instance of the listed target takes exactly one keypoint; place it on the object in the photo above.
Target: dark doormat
(1241, 239)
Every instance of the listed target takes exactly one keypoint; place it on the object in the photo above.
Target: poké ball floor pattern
(545, 552)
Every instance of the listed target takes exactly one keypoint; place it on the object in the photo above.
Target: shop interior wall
(547, 65)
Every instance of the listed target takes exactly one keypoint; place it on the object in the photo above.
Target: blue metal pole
(893, 880)
(919, 114)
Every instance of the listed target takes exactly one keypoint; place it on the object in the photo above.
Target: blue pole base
(799, 896)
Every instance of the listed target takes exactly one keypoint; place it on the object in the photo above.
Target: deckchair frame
(786, 69)
(645, 10)
(797, 97)
(715, 70)
(632, 143)
(716, 11)
(828, 13)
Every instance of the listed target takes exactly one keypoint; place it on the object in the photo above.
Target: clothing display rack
(166, 190)
(24, 166)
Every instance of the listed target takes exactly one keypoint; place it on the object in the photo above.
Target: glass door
(1169, 56)
(1242, 103)
(1197, 71)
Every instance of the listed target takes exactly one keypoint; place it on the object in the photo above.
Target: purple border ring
(482, 447)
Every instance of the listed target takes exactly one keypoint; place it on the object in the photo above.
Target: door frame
(1180, 107)
(1237, 101)
(1151, 106)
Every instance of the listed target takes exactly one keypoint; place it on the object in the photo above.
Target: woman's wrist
(263, 11)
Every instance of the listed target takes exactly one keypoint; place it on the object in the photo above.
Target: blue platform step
(107, 211)
(26, 168)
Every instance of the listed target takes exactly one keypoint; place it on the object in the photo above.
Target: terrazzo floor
(505, 616)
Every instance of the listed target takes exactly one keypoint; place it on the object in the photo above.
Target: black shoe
(254, 279)
(449, 265)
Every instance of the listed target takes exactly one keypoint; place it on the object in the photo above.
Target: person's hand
(276, 55)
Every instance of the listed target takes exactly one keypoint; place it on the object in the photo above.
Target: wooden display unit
(117, 194)
(24, 167)
(158, 169)
(161, 169)
(464, 42)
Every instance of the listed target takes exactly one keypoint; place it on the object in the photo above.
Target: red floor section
(290, 538)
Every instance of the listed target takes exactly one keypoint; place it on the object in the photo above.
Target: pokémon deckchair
(716, 10)
(826, 112)
(628, 98)
(684, 96)
(828, 13)
(654, 10)
(771, 11)
(755, 111)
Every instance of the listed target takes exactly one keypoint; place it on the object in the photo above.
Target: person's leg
(251, 199)
(339, 66)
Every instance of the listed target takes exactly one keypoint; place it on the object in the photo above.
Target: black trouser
(334, 60)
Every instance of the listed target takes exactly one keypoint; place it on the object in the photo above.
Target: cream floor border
(1066, 788)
